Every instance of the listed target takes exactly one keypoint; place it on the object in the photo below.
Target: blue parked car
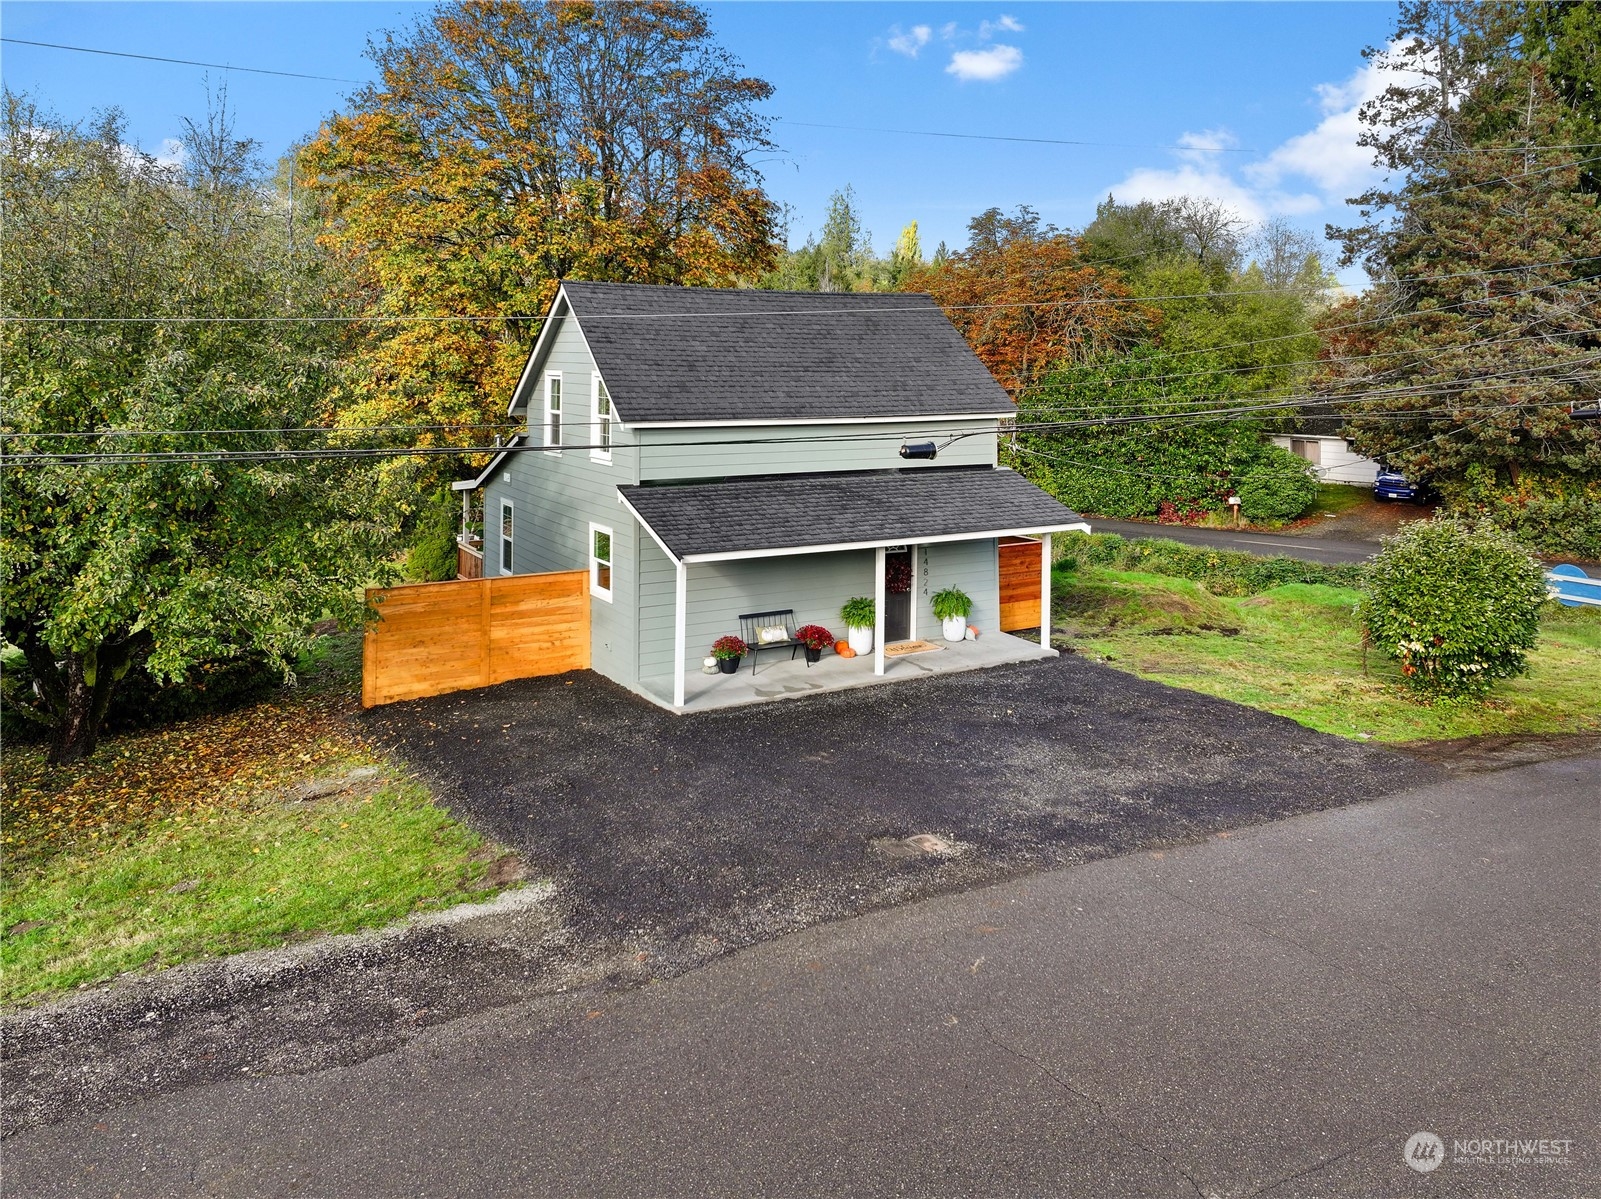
(1393, 485)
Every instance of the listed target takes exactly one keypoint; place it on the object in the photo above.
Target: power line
(1512, 377)
(1000, 137)
(847, 311)
(184, 62)
(152, 457)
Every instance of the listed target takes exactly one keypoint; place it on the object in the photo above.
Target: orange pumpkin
(844, 650)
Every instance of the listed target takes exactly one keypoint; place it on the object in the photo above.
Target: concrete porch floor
(777, 677)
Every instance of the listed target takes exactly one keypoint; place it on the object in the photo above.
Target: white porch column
(1045, 590)
(917, 572)
(878, 610)
(680, 632)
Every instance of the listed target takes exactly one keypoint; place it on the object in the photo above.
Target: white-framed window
(600, 562)
(505, 537)
(553, 410)
(600, 448)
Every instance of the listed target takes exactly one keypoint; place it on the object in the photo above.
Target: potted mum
(952, 608)
(860, 615)
(728, 651)
(814, 639)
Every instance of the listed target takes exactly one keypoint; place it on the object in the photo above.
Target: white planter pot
(860, 639)
(955, 628)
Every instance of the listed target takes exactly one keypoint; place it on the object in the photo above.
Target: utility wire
(137, 457)
(855, 310)
(183, 62)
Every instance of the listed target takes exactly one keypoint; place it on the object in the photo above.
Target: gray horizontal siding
(814, 585)
(556, 496)
(974, 566)
(691, 453)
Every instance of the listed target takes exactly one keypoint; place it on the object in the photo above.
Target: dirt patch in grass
(1481, 755)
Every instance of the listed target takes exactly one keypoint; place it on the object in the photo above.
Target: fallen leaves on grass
(183, 774)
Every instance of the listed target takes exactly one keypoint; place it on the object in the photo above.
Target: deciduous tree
(1026, 300)
(154, 310)
(508, 145)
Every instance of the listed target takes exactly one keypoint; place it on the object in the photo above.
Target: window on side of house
(553, 409)
(1309, 449)
(600, 562)
(600, 451)
(505, 537)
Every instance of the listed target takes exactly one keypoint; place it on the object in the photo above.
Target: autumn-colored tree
(509, 145)
(1465, 361)
(1026, 300)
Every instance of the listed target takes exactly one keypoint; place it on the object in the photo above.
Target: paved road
(1272, 1012)
(1310, 549)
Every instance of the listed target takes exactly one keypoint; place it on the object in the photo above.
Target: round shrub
(1280, 486)
(1457, 605)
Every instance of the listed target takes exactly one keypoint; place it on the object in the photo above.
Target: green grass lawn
(190, 840)
(1335, 498)
(1296, 650)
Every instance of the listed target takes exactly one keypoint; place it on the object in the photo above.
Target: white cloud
(995, 62)
(171, 152)
(1309, 172)
(948, 31)
(1206, 145)
(910, 41)
(1004, 23)
(1328, 155)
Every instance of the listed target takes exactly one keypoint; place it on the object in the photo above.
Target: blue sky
(1276, 83)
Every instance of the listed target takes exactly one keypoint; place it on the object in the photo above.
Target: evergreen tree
(1463, 363)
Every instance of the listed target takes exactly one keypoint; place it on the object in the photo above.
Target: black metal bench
(752, 625)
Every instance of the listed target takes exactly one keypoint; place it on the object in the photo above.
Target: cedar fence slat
(1020, 584)
(431, 638)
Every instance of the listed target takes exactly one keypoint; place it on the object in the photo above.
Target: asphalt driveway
(1273, 1013)
(687, 833)
(659, 843)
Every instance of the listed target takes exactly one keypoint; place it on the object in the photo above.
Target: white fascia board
(494, 465)
(815, 420)
(645, 524)
(735, 555)
(539, 348)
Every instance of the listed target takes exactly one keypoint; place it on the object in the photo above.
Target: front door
(897, 595)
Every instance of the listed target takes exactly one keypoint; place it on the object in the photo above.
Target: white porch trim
(878, 610)
(823, 420)
(680, 631)
(1081, 526)
(1045, 590)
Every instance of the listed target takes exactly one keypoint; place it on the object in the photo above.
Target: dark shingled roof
(692, 354)
(800, 511)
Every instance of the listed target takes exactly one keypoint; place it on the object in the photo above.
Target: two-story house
(708, 453)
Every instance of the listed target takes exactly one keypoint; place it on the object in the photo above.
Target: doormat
(900, 648)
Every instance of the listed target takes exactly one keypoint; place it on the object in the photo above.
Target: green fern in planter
(859, 613)
(951, 603)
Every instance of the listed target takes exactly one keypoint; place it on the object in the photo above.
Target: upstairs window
(505, 537)
(600, 451)
(600, 562)
(553, 409)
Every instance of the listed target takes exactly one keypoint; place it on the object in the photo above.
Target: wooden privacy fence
(1020, 583)
(431, 638)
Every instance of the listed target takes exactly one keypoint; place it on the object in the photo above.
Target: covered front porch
(792, 550)
(781, 678)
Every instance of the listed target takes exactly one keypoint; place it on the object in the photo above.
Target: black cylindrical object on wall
(918, 449)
